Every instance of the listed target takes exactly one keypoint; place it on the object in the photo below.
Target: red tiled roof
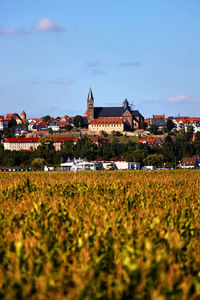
(107, 121)
(186, 119)
(158, 116)
(21, 140)
(189, 161)
(148, 140)
(36, 140)
(100, 160)
(42, 125)
(146, 120)
(23, 112)
(9, 116)
(35, 119)
(63, 123)
(120, 159)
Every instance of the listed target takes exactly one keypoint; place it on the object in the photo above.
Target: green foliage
(189, 133)
(38, 163)
(85, 148)
(170, 125)
(153, 129)
(46, 118)
(12, 123)
(154, 160)
(68, 127)
(78, 121)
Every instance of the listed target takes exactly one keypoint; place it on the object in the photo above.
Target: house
(158, 120)
(20, 130)
(190, 163)
(53, 124)
(3, 124)
(42, 126)
(31, 125)
(14, 116)
(131, 119)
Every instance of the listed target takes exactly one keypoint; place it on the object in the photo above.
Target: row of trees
(170, 153)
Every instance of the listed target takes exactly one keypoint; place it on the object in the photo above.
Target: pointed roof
(23, 112)
(126, 104)
(90, 95)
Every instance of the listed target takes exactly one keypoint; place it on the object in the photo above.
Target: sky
(53, 51)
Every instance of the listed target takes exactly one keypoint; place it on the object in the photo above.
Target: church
(112, 118)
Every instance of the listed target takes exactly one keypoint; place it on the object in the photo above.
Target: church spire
(90, 106)
(90, 95)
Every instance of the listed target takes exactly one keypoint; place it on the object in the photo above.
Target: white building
(107, 125)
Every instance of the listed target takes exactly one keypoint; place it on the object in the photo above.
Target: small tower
(23, 115)
(90, 106)
(126, 104)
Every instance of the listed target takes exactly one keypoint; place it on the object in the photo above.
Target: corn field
(100, 235)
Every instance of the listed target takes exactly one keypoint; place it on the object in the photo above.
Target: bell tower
(90, 106)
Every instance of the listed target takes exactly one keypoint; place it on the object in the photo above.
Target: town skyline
(147, 52)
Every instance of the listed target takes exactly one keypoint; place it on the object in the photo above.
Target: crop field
(100, 235)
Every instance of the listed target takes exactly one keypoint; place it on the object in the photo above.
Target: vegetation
(78, 121)
(100, 235)
(174, 149)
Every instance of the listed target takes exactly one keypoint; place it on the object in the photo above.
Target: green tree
(180, 134)
(170, 125)
(68, 127)
(154, 160)
(153, 129)
(78, 121)
(38, 163)
(137, 156)
(12, 123)
(46, 149)
(85, 148)
(189, 133)
(68, 149)
(46, 118)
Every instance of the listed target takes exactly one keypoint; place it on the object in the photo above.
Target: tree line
(174, 148)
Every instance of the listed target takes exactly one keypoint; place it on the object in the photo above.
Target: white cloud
(182, 98)
(63, 80)
(12, 31)
(46, 25)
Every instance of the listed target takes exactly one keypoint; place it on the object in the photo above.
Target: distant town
(101, 125)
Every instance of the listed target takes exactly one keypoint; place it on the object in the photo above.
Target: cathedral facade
(119, 117)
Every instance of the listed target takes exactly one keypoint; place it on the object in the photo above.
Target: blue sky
(147, 51)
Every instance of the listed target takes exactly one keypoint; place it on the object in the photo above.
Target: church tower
(23, 115)
(90, 106)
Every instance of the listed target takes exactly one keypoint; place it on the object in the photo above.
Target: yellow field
(100, 235)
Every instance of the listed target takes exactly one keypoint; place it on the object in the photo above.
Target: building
(18, 144)
(190, 163)
(108, 125)
(131, 119)
(23, 115)
(157, 120)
